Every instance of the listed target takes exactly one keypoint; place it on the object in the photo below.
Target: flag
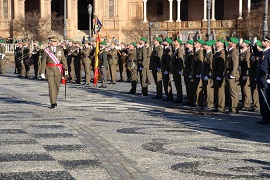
(96, 72)
(97, 25)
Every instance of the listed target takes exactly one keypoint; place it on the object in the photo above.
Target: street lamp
(265, 21)
(150, 26)
(90, 8)
(209, 3)
(65, 18)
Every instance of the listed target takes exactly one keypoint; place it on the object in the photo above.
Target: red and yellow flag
(96, 73)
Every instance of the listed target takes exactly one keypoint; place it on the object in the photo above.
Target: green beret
(208, 43)
(221, 40)
(213, 42)
(190, 42)
(234, 40)
(168, 40)
(103, 43)
(2, 41)
(259, 43)
(200, 41)
(159, 39)
(134, 44)
(226, 43)
(180, 42)
(143, 39)
(247, 41)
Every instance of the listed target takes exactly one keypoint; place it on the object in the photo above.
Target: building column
(240, 9)
(170, 20)
(249, 5)
(204, 10)
(213, 10)
(19, 9)
(45, 8)
(178, 11)
(144, 10)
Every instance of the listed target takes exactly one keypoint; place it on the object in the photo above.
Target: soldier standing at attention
(2, 58)
(155, 66)
(148, 72)
(188, 78)
(232, 74)
(176, 68)
(35, 56)
(208, 84)
(165, 68)
(25, 72)
(103, 65)
(263, 79)
(70, 60)
(218, 69)
(132, 66)
(54, 61)
(77, 61)
(244, 64)
(113, 58)
(142, 65)
(86, 61)
(122, 60)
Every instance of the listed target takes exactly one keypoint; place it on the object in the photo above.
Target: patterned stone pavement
(109, 134)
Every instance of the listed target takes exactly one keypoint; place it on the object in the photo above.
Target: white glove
(268, 81)
(66, 73)
(166, 72)
(179, 72)
(190, 77)
(198, 76)
(210, 74)
(244, 78)
(158, 69)
(140, 69)
(232, 77)
(205, 78)
(219, 78)
(42, 76)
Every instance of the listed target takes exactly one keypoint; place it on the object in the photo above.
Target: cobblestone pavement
(109, 134)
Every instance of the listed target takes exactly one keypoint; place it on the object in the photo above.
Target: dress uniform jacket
(155, 58)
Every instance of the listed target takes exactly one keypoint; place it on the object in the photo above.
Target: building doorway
(32, 5)
(83, 16)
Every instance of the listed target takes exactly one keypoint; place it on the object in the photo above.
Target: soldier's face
(265, 44)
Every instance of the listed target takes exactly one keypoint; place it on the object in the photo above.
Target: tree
(33, 27)
(252, 23)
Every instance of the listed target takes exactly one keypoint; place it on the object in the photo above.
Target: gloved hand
(158, 69)
(232, 77)
(210, 74)
(42, 76)
(219, 79)
(140, 69)
(190, 77)
(179, 72)
(66, 73)
(244, 78)
(205, 78)
(268, 81)
(166, 72)
(198, 76)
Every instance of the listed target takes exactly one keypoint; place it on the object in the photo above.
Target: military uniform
(263, 81)
(25, 71)
(70, 61)
(53, 70)
(2, 58)
(122, 60)
(155, 66)
(132, 66)
(36, 57)
(112, 60)
(254, 60)
(86, 62)
(176, 67)
(244, 64)
(103, 65)
(148, 72)
(208, 83)
(19, 58)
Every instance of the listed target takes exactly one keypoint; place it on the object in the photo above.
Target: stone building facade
(121, 18)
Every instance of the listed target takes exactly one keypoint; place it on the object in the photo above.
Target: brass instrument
(23, 56)
(124, 57)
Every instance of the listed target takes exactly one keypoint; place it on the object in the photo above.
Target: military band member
(165, 68)
(189, 58)
(86, 50)
(113, 59)
(54, 61)
(122, 60)
(25, 71)
(132, 66)
(263, 80)
(176, 68)
(103, 65)
(155, 66)
(218, 70)
(142, 65)
(70, 60)
(244, 64)
(208, 83)
(2, 58)
(19, 57)
(36, 58)
(232, 74)
(77, 62)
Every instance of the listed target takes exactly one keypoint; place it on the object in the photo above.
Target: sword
(264, 97)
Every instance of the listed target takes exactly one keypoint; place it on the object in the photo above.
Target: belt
(131, 61)
(51, 64)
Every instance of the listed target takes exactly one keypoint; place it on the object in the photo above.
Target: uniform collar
(266, 49)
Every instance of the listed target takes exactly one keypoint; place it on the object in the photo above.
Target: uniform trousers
(157, 75)
(54, 85)
(245, 91)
